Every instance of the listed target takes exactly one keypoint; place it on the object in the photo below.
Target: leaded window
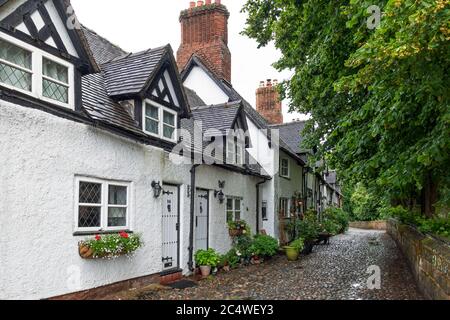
(55, 81)
(102, 205)
(15, 66)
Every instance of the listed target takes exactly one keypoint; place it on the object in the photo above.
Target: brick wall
(268, 102)
(428, 257)
(204, 31)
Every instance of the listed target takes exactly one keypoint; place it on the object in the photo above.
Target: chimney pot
(207, 2)
(192, 4)
(217, 1)
(269, 82)
(199, 3)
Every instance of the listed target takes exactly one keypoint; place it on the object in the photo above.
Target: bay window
(35, 72)
(160, 121)
(102, 205)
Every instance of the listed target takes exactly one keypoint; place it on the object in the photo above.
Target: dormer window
(35, 72)
(160, 121)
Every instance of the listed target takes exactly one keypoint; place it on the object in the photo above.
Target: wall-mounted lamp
(157, 189)
(220, 195)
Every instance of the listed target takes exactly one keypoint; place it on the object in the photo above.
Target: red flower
(98, 238)
(123, 234)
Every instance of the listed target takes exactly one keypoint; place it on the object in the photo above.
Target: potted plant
(309, 231)
(206, 260)
(238, 228)
(263, 246)
(293, 249)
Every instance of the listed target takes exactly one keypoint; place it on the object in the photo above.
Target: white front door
(170, 228)
(201, 220)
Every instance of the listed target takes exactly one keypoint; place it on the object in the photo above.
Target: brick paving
(337, 271)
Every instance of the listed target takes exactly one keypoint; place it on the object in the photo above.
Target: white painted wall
(236, 185)
(39, 256)
(205, 87)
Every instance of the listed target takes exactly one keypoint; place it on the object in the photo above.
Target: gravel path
(335, 271)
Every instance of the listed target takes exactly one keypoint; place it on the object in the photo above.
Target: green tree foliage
(378, 98)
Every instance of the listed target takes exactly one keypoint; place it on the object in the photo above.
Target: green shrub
(308, 230)
(298, 244)
(243, 246)
(438, 225)
(207, 258)
(264, 246)
(231, 259)
(338, 216)
(331, 227)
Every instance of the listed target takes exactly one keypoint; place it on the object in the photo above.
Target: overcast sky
(136, 25)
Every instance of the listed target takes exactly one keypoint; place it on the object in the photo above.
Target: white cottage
(86, 131)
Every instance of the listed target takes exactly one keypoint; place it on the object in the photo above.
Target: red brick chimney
(268, 102)
(204, 31)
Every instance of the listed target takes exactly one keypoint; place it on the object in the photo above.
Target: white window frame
(104, 205)
(161, 110)
(37, 73)
(234, 207)
(231, 151)
(287, 212)
(287, 168)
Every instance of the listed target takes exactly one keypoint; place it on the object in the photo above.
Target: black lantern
(157, 189)
(220, 195)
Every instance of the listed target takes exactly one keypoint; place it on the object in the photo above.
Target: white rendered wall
(40, 155)
(205, 87)
(236, 185)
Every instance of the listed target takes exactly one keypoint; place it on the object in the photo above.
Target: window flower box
(109, 246)
(238, 228)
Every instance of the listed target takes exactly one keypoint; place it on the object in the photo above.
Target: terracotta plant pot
(226, 268)
(205, 270)
(291, 253)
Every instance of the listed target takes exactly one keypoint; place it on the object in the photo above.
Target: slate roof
(233, 95)
(193, 99)
(102, 49)
(220, 117)
(130, 74)
(100, 106)
(291, 134)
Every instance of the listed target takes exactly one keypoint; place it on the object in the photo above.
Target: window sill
(285, 177)
(94, 233)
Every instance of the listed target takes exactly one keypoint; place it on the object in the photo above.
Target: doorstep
(170, 276)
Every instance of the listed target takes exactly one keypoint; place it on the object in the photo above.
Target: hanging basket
(235, 232)
(85, 252)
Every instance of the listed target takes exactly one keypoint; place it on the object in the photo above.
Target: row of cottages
(88, 134)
